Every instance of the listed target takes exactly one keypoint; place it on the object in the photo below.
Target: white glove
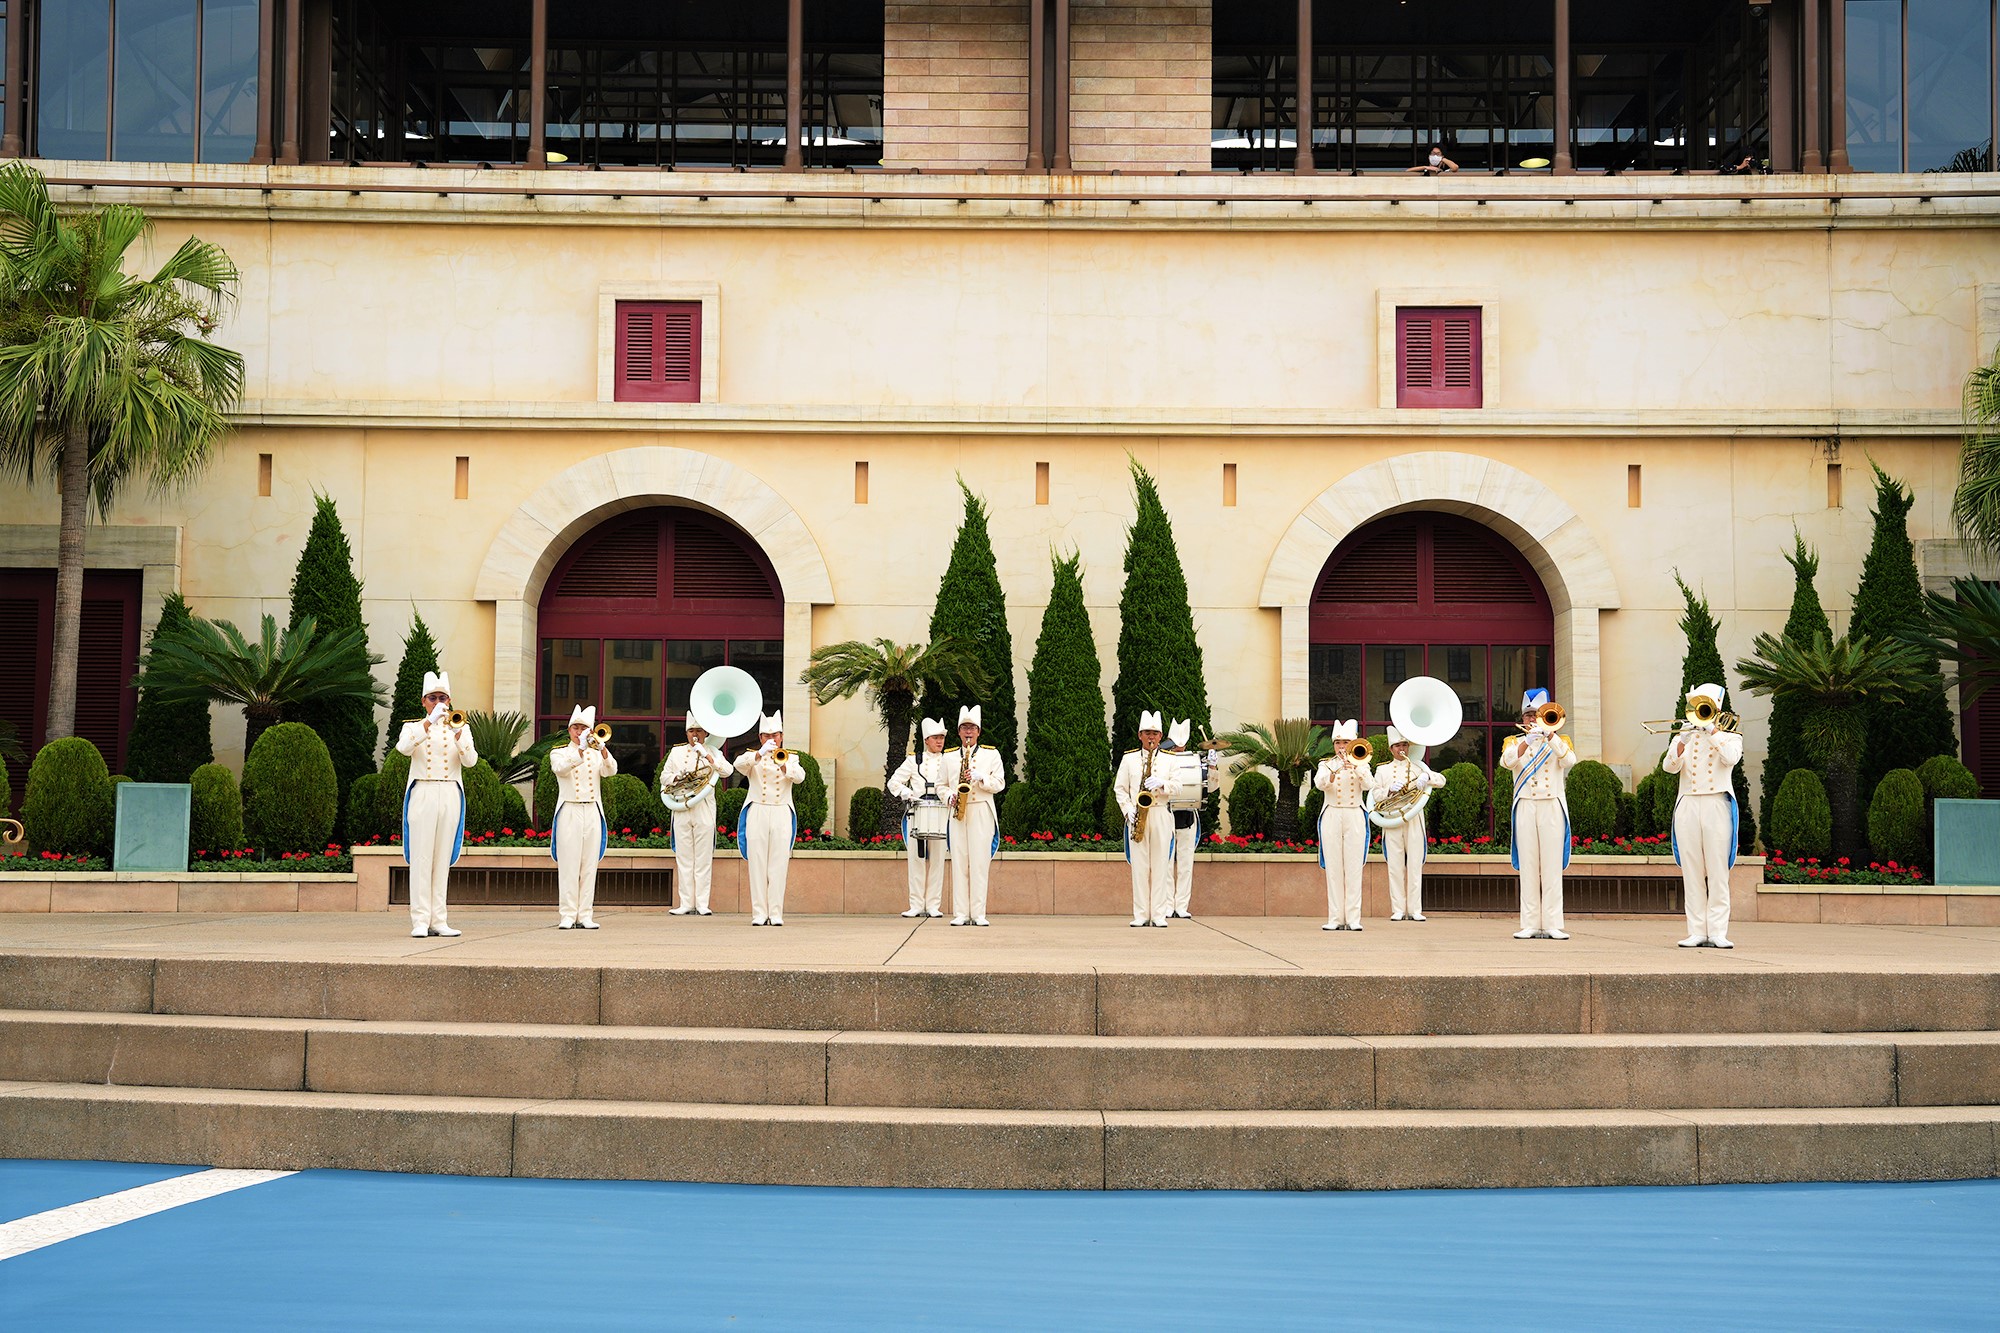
(1156, 784)
(768, 748)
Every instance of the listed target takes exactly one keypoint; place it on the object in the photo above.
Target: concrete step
(993, 1149)
(1003, 1071)
(1723, 997)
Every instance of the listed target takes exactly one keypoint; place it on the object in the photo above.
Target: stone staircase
(1002, 1079)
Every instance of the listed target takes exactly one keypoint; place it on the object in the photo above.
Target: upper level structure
(1006, 86)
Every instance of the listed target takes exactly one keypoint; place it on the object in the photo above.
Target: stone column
(1784, 91)
(1811, 159)
(1038, 80)
(955, 86)
(1564, 162)
(1143, 74)
(1302, 155)
(13, 143)
(1836, 88)
(538, 85)
(795, 65)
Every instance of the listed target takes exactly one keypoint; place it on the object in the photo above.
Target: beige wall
(955, 85)
(1139, 90)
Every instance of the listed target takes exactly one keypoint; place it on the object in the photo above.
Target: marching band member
(769, 822)
(1705, 815)
(577, 843)
(694, 827)
(1343, 827)
(1149, 849)
(433, 804)
(1187, 824)
(1403, 846)
(1540, 761)
(974, 830)
(927, 771)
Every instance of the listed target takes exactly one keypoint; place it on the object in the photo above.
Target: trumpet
(600, 736)
(455, 718)
(1358, 751)
(1549, 717)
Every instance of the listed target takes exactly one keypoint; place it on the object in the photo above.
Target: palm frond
(211, 661)
(1963, 628)
(1834, 673)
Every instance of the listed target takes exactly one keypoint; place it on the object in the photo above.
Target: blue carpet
(330, 1249)
(36, 1187)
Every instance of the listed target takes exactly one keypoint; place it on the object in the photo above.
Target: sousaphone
(724, 702)
(1428, 713)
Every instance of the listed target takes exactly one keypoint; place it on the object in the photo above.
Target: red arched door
(638, 609)
(1426, 594)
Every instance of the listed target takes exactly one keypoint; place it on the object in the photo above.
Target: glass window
(567, 666)
(636, 747)
(1951, 110)
(634, 671)
(154, 93)
(74, 102)
(228, 80)
(1468, 747)
(1388, 667)
(1335, 688)
(1515, 672)
(764, 659)
(1875, 84)
(686, 660)
(1464, 669)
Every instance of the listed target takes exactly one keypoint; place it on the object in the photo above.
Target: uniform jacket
(988, 777)
(1707, 763)
(441, 756)
(681, 762)
(907, 783)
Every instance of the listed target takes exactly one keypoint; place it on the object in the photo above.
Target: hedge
(809, 798)
(389, 788)
(513, 808)
(1309, 814)
(1461, 805)
(482, 798)
(1113, 819)
(1627, 806)
(361, 812)
(545, 794)
(1943, 778)
(639, 807)
(1644, 823)
(864, 812)
(728, 805)
(1252, 802)
(1801, 817)
(1593, 800)
(215, 810)
(1896, 818)
(289, 796)
(68, 809)
(1666, 792)
(1017, 811)
(1503, 805)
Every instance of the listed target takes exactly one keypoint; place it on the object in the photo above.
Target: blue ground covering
(36, 1187)
(335, 1249)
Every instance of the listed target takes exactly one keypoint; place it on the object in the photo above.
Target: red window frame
(1439, 356)
(106, 702)
(657, 351)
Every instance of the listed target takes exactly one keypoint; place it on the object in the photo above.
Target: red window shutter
(1465, 568)
(1438, 357)
(1382, 570)
(624, 563)
(710, 564)
(103, 669)
(658, 352)
(23, 661)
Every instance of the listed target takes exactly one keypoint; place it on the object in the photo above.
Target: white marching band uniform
(1540, 822)
(1705, 821)
(577, 842)
(1187, 825)
(1403, 847)
(768, 824)
(1151, 857)
(972, 838)
(694, 831)
(921, 772)
(1343, 829)
(433, 808)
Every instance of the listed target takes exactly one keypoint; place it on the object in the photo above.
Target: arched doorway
(642, 605)
(1428, 594)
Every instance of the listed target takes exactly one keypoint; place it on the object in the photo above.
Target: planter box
(148, 891)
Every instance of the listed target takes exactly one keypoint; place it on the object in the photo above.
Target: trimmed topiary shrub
(1017, 809)
(728, 805)
(168, 741)
(1801, 817)
(1159, 654)
(513, 808)
(864, 812)
(289, 801)
(1113, 826)
(1896, 818)
(389, 788)
(1252, 801)
(545, 794)
(1066, 760)
(1461, 804)
(639, 807)
(361, 812)
(419, 655)
(1644, 823)
(1503, 805)
(215, 811)
(972, 608)
(1628, 806)
(482, 798)
(1309, 814)
(1593, 800)
(69, 802)
(1943, 777)
(809, 797)
(1666, 791)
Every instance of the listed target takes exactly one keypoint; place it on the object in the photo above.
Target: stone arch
(571, 503)
(1539, 523)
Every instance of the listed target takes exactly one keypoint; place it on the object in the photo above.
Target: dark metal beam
(1302, 118)
(294, 89)
(1784, 91)
(795, 69)
(1836, 88)
(13, 143)
(538, 85)
(1563, 162)
(1061, 160)
(1038, 78)
(1811, 159)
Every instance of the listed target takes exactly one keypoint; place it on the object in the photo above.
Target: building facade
(701, 390)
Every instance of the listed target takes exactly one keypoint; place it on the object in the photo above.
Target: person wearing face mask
(1436, 163)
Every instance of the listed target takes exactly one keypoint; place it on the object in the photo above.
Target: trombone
(1704, 716)
(1549, 717)
(1358, 751)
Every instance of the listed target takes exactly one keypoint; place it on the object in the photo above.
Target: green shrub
(215, 810)
(1665, 793)
(513, 808)
(1943, 777)
(1628, 805)
(1503, 805)
(864, 812)
(361, 813)
(1461, 805)
(389, 789)
(639, 807)
(1252, 801)
(168, 741)
(1309, 814)
(6, 792)
(1593, 800)
(289, 801)
(545, 794)
(728, 805)
(809, 797)
(1378, 744)
(69, 803)
(1113, 819)
(1644, 823)
(1017, 811)
(1801, 817)
(1896, 818)
(482, 798)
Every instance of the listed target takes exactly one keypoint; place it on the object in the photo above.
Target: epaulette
(952, 749)
(986, 747)
(1137, 749)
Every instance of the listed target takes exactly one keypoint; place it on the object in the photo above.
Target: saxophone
(964, 783)
(1145, 801)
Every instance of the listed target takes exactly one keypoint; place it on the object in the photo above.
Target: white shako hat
(1395, 737)
(970, 714)
(1179, 731)
(436, 682)
(586, 714)
(933, 726)
(1149, 720)
(1711, 692)
(1347, 731)
(775, 722)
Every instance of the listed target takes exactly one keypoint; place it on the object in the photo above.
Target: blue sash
(458, 839)
(1735, 829)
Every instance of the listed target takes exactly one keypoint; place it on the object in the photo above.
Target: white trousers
(1701, 827)
(579, 833)
(1403, 849)
(971, 860)
(767, 847)
(432, 821)
(926, 873)
(1153, 868)
(694, 853)
(1343, 838)
(1539, 832)
(1187, 841)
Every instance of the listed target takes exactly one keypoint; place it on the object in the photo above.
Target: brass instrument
(1705, 715)
(680, 793)
(11, 831)
(600, 736)
(455, 718)
(1145, 802)
(1549, 717)
(1359, 751)
(1397, 805)
(964, 797)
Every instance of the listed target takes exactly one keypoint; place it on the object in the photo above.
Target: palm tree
(1964, 627)
(1834, 680)
(1975, 508)
(103, 375)
(893, 674)
(1292, 747)
(211, 661)
(494, 736)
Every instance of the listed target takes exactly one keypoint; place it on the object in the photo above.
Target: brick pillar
(955, 85)
(1141, 74)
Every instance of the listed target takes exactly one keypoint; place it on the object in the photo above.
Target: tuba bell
(725, 701)
(1427, 712)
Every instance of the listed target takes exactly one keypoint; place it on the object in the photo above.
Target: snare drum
(929, 819)
(1184, 784)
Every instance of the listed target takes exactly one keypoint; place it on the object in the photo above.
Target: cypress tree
(1786, 748)
(1702, 665)
(1889, 602)
(972, 608)
(1159, 658)
(325, 588)
(1068, 760)
(169, 741)
(420, 654)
